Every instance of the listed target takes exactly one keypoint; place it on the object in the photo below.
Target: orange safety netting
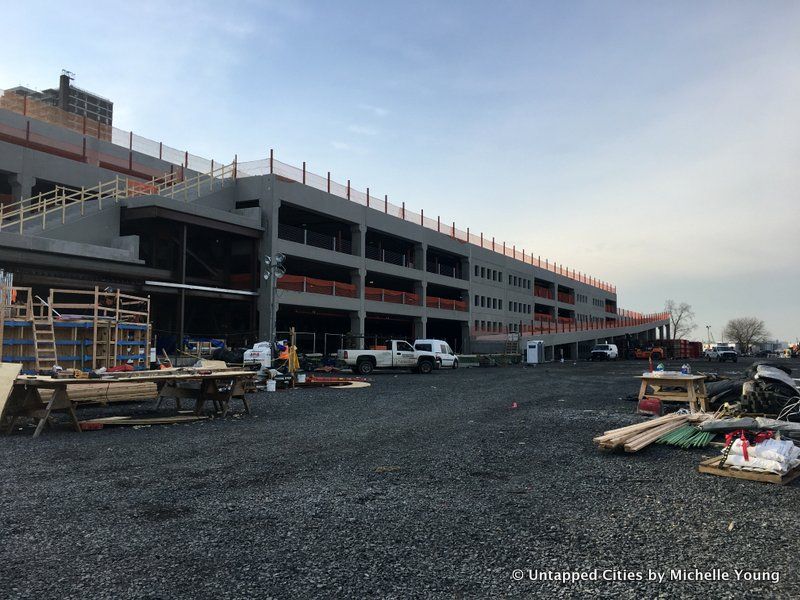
(300, 283)
(394, 296)
(445, 303)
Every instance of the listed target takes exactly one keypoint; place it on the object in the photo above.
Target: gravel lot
(418, 486)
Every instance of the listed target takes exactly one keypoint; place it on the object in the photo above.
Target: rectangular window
(483, 301)
(477, 301)
(477, 270)
(500, 304)
(483, 272)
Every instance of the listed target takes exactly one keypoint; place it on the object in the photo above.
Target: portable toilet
(534, 352)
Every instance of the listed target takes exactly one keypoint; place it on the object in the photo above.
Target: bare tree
(681, 318)
(746, 331)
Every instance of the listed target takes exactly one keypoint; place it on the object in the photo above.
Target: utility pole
(274, 269)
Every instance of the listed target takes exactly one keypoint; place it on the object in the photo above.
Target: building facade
(193, 234)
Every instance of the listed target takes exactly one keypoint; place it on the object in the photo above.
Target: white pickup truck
(398, 355)
(721, 353)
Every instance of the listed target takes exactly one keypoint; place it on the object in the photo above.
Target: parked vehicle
(721, 354)
(604, 352)
(654, 353)
(260, 354)
(445, 357)
(399, 354)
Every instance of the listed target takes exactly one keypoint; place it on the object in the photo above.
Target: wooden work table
(218, 387)
(682, 388)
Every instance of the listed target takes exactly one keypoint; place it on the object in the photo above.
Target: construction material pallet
(711, 466)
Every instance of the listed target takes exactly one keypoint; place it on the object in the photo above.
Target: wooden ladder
(44, 340)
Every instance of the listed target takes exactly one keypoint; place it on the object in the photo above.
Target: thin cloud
(341, 145)
(362, 130)
(375, 110)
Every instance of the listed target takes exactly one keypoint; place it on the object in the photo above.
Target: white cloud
(362, 130)
(375, 110)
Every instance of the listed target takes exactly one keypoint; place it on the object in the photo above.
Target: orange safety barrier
(446, 303)
(566, 298)
(300, 283)
(542, 292)
(393, 296)
(138, 188)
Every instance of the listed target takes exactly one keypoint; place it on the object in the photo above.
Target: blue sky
(651, 144)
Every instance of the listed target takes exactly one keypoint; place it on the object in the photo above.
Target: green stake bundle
(687, 436)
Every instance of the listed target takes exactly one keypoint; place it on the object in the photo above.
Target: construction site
(257, 368)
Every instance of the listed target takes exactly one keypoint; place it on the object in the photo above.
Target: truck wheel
(365, 367)
(656, 356)
(425, 367)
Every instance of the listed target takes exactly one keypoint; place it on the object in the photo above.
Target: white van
(445, 357)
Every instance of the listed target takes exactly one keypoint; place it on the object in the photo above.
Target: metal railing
(446, 303)
(493, 332)
(393, 296)
(441, 269)
(387, 256)
(311, 285)
(300, 235)
(87, 127)
(58, 202)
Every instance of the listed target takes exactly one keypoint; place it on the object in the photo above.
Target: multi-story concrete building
(72, 99)
(129, 213)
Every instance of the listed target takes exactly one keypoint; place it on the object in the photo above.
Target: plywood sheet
(8, 373)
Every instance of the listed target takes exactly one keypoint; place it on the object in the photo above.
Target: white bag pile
(771, 456)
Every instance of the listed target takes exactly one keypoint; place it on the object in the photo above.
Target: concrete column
(269, 220)
(420, 327)
(21, 186)
(421, 290)
(358, 234)
(465, 341)
(667, 331)
(357, 277)
(465, 266)
(573, 350)
(420, 256)
(357, 328)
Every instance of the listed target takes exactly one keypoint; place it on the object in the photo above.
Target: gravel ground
(418, 486)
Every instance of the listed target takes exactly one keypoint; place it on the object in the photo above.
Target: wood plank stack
(635, 437)
(113, 392)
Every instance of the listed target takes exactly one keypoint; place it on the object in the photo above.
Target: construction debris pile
(758, 415)
(765, 388)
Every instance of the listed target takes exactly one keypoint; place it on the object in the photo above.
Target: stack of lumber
(133, 420)
(635, 437)
(111, 392)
